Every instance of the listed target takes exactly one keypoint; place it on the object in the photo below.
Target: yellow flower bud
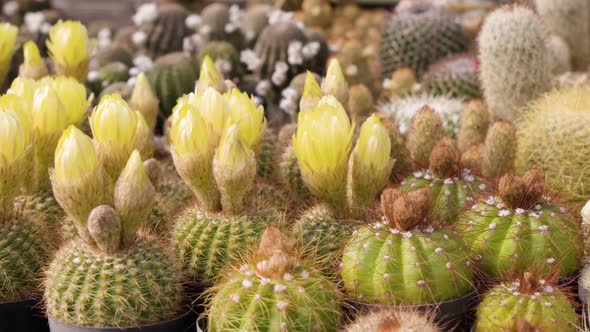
(234, 168)
(134, 197)
(113, 126)
(24, 88)
(248, 117)
(144, 100)
(78, 179)
(371, 165)
(69, 48)
(14, 103)
(8, 34)
(311, 93)
(49, 114)
(73, 96)
(33, 66)
(144, 138)
(209, 77)
(335, 84)
(215, 110)
(322, 145)
(13, 148)
(189, 132)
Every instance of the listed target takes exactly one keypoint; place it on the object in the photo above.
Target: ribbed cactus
(166, 33)
(226, 55)
(435, 265)
(527, 303)
(551, 138)
(514, 62)
(273, 44)
(274, 290)
(451, 187)
(456, 75)
(267, 158)
(520, 227)
(392, 320)
(417, 40)
(254, 20)
(569, 19)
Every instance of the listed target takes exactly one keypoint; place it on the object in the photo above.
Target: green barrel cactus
(451, 187)
(406, 259)
(273, 45)
(527, 303)
(165, 35)
(456, 76)
(520, 228)
(417, 40)
(393, 320)
(267, 158)
(514, 61)
(139, 284)
(274, 291)
(172, 76)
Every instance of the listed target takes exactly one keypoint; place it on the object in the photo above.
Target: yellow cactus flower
(209, 77)
(14, 103)
(49, 114)
(234, 168)
(113, 125)
(69, 48)
(322, 145)
(73, 96)
(214, 108)
(311, 93)
(13, 148)
(8, 34)
(144, 100)
(134, 197)
(335, 83)
(249, 117)
(190, 133)
(371, 164)
(144, 138)
(24, 88)
(33, 66)
(78, 179)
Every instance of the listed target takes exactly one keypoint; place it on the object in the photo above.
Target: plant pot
(24, 315)
(456, 314)
(202, 324)
(185, 322)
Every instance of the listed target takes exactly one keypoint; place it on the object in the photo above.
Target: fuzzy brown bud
(445, 159)
(104, 227)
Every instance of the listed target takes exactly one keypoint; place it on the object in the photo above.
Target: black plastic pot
(22, 315)
(183, 323)
(201, 324)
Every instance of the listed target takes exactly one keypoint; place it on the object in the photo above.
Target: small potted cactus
(521, 226)
(435, 269)
(526, 303)
(110, 275)
(274, 290)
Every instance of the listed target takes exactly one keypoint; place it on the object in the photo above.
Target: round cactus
(551, 137)
(526, 304)
(392, 320)
(520, 228)
(273, 291)
(113, 52)
(226, 55)
(216, 17)
(110, 73)
(454, 76)
(435, 265)
(43, 203)
(514, 63)
(24, 253)
(273, 45)
(417, 40)
(166, 33)
(255, 19)
(451, 187)
(139, 283)
(172, 76)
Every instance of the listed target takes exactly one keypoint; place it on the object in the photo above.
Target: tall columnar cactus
(70, 49)
(569, 19)
(140, 279)
(435, 265)
(274, 290)
(520, 227)
(24, 246)
(451, 187)
(514, 62)
(417, 40)
(8, 32)
(527, 303)
(551, 138)
(392, 320)
(214, 142)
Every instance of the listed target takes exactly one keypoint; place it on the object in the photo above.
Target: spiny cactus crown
(522, 192)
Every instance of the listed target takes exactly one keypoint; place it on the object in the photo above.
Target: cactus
(360, 103)
(499, 150)
(267, 156)
(110, 73)
(172, 76)
(550, 138)
(356, 63)
(274, 290)
(166, 33)
(559, 55)
(291, 176)
(316, 13)
(399, 151)
(514, 63)
(425, 132)
(114, 52)
(435, 265)
(455, 76)
(417, 40)
(216, 16)
(254, 20)
(519, 228)
(392, 320)
(401, 111)
(226, 55)
(273, 44)
(473, 125)
(44, 204)
(568, 19)
(526, 303)
(451, 187)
